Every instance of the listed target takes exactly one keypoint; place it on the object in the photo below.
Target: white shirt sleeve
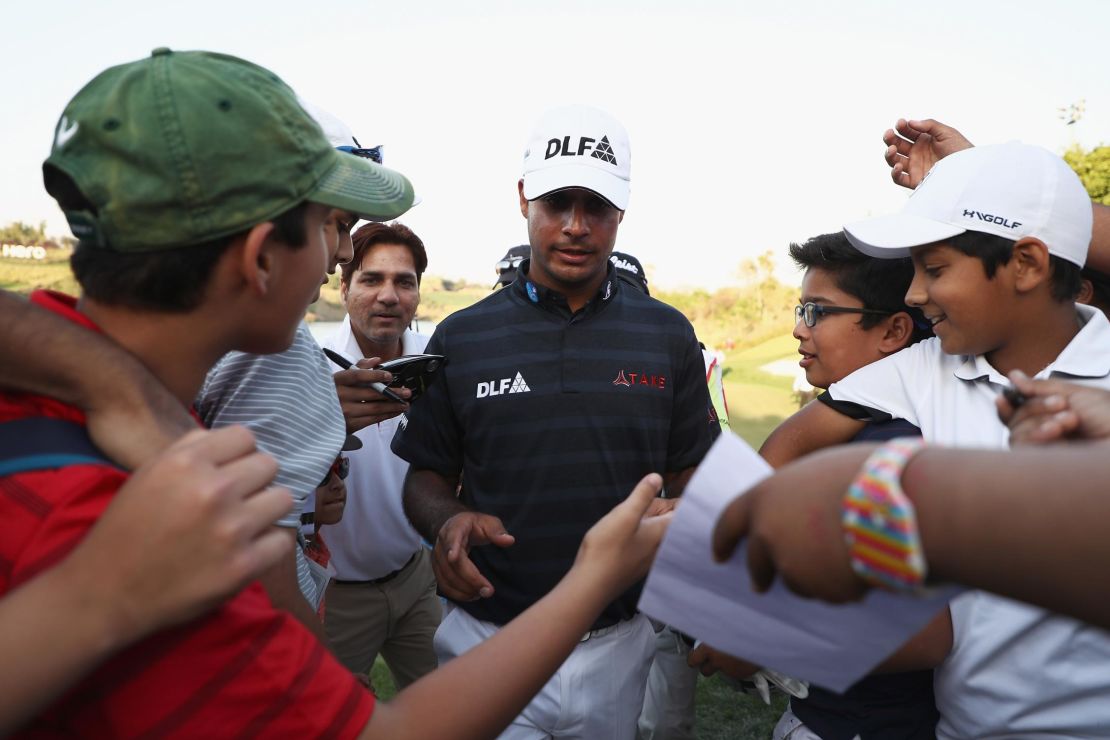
(895, 386)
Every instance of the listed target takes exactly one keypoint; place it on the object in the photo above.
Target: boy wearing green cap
(192, 244)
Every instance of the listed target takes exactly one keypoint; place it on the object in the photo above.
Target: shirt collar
(552, 300)
(63, 305)
(344, 341)
(1086, 356)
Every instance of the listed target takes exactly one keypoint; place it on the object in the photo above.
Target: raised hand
(913, 147)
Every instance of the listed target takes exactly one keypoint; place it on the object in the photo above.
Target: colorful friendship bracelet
(879, 523)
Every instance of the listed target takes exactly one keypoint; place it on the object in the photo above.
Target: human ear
(257, 257)
(1031, 264)
(899, 329)
(523, 200)
(1086, 292)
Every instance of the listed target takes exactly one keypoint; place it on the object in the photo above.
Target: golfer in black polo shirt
(563, 390)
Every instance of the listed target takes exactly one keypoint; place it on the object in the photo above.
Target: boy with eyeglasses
(852, 313)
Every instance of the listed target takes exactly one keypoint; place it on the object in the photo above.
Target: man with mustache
(383, 599)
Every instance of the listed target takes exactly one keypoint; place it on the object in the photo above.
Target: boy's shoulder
(924, 357)
(48, 509)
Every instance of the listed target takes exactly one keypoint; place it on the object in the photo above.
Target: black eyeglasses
(374, 154)
(341, 467)
(810, 312)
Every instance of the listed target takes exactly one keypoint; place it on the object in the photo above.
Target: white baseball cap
(1011, 190)
(341, 136)
(337, 132)
(578, 147)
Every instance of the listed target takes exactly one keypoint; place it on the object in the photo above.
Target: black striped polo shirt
(552, 417)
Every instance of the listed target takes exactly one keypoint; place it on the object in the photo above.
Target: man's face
(337, 237)
(572, 233)
(383, 294)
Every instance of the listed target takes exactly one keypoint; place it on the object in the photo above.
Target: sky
(752, 124)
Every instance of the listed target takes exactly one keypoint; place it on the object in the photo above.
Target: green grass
(758, 401)
(23, 276)
(725, 714)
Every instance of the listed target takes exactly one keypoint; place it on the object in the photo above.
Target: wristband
(880, 527)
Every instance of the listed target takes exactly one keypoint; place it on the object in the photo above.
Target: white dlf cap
(1010, 190)
(578, 147)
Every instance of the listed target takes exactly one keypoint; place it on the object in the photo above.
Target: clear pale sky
(752, 124)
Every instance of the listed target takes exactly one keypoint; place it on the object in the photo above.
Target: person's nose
(387, 294)
(576, 223)
(916, 295)
(346, 251)
(801, 331)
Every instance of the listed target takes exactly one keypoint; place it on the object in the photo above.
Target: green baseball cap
(184, 148)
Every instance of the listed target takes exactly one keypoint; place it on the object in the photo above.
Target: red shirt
(246, 670)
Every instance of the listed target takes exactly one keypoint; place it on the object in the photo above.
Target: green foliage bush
(1093, 168)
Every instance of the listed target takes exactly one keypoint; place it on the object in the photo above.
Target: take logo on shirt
(628, 379)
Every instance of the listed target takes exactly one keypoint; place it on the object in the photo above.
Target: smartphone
(415, 372)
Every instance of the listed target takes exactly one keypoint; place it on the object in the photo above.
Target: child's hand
(913, 147)
(1054, 411)
(620, 548)
(190, 528)
(791, 521)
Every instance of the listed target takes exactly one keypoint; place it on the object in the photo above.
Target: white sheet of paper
(826, 644)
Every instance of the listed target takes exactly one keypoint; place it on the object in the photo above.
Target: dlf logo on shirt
(505, 385)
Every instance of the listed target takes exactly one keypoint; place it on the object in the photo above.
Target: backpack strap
(44, 443)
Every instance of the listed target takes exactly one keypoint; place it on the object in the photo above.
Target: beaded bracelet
(879, 523)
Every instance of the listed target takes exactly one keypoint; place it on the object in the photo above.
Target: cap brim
(541, 182)
(364, 188)
(889, 237)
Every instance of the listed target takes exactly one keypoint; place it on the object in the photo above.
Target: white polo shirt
(1014, 670)
(373, 538)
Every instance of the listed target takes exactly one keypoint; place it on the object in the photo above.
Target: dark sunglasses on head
(374, 154)
(341, 467)
(810, 312)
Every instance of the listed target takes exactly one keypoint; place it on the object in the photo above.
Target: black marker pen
(1015, 397)
(346, 364)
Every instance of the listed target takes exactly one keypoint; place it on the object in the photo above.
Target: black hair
(993, 251)
(166, 280)
(879, 284)
(374, 233)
